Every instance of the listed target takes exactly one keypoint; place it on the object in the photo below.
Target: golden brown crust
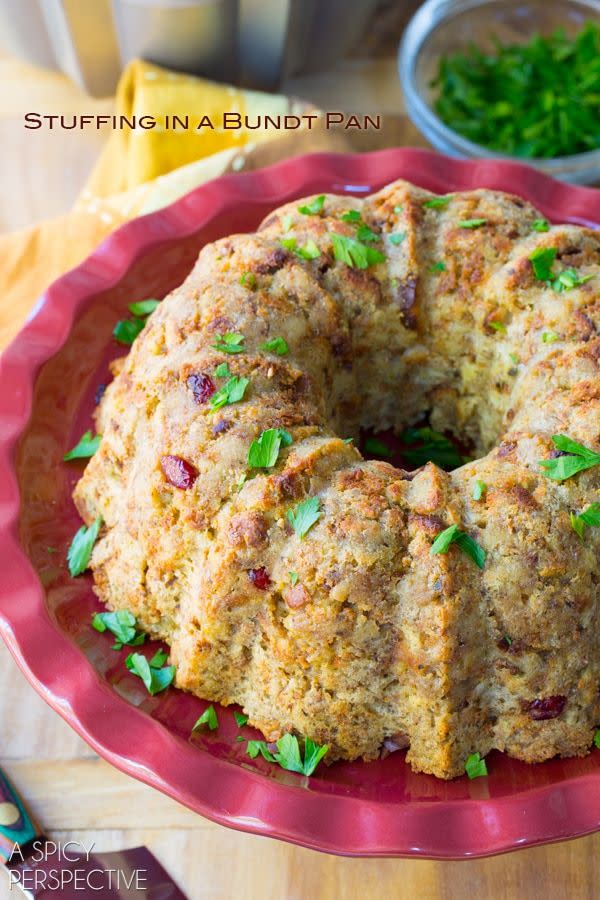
(376, 637)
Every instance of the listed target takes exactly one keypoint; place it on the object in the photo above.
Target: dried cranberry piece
(546, 707)
(260, 578)
(178, 472)
(505, 644)
(201, 385)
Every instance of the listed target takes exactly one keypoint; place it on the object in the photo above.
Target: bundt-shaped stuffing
(295, 578)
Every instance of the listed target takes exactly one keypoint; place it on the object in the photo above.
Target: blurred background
(254, 43)
(79, 57)
(442, 74)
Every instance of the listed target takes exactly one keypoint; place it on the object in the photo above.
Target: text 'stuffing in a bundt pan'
(293, 577)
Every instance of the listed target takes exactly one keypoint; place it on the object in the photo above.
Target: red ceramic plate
(48, 379)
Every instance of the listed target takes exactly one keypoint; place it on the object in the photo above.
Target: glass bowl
(448, 26)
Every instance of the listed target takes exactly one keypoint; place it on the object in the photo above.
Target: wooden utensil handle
(17, 827)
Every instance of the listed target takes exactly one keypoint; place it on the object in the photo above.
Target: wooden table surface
(78, 796)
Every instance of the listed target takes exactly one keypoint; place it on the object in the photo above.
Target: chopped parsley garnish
(540, 225)
(549, 337)
(208, 718)
(143, 308)
(479, 489)
(533, 99)
(156, 679)
(514, 358)
(126, 331)
(366, 234)
(542, 260)
(249, 280)
(122, 625)
(377, 448)
(223, 370)
(240, 718)
(159, 659)
(355, 254)
(498, 326)
(475, 766)
(229, 343)
(288, 754)
(435, 448)
(397, 237)
(264, 450)
(85, 447)
(314, 207)
(256, 747)
(308, 251)
(293, 578)
(80, 551)
(577, 460)
(472, 223)
(232, 392)
(438, 267)
(597, 738)
(438, 202)
(304, 515)
(569, 279)
(398, 209)
(508, 640)
(453, 535)
(363, 231)
(590, 516)
(276, 345)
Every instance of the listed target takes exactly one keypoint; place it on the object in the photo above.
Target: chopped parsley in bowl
(493, 78)
(538, 99)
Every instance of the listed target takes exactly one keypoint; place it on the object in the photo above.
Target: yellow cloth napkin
(141, 171)
(133, 157)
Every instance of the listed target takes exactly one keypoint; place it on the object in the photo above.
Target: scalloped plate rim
(71, 695)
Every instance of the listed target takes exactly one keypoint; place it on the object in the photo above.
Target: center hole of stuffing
(414, 446)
